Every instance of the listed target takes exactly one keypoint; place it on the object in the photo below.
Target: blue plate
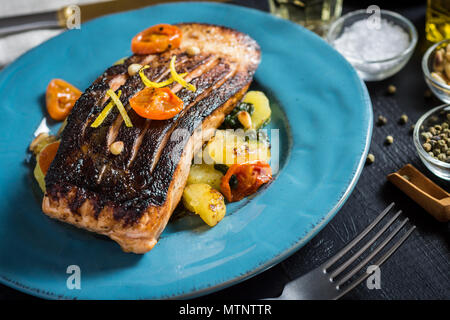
(324, 117)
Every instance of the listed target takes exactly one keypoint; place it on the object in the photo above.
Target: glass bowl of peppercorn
(432, 140)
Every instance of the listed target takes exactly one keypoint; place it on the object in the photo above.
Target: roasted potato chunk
(262, 111)
(205, 201)
(229, 148)
(204, 173)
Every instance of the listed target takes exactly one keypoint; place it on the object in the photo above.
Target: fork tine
(347, 248)
(344, 266)
(372, 254)
(379, 262)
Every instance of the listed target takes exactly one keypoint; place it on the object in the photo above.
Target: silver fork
(323, 283)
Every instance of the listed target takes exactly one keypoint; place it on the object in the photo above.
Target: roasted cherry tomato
(60, 98)
(156, 103)
(156, 39)
(250, 176)
(47, 155)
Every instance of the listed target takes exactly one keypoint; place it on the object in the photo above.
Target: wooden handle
(422, 190)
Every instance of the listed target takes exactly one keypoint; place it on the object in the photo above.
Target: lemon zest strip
(120, 106)
(177, 77)
(152, 84)
(102, 116)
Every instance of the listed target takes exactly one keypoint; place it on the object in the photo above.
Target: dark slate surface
(420, 269)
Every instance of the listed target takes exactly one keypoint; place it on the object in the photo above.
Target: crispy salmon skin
(130, 197)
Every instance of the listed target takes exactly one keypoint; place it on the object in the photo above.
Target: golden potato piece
(205, 173)
(262, 111)
(229, 148)
(205, 201)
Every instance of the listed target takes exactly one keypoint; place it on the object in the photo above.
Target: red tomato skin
(250, 176)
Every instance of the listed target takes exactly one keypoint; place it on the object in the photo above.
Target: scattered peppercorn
(389, 139)
(381, 120)
(392, 89)
(370, 158)
(403, 119)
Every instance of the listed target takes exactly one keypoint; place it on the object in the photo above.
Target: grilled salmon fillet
(130, 197)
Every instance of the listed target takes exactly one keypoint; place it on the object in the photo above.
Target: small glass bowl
(431, 118)
(441, 90)
(375, 69)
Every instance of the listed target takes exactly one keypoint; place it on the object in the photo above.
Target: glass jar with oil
(316, 15)
(437, 25)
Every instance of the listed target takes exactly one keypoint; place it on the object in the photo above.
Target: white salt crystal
(361, 41)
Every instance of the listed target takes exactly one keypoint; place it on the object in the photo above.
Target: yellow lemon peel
(102, 116)
(152, 84)
(120, 106)
(178, 78)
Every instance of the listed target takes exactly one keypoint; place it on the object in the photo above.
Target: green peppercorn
(436, 138)
(403, 119)
(381, 120)
(370, 158)
(389, 139)
(392, 89)
(427, 146)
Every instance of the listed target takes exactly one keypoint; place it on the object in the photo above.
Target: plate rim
(282, 255)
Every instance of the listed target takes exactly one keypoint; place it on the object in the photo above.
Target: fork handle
(422, 190)
(16, 24)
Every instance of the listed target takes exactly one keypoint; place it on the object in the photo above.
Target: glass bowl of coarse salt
(377, 45)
